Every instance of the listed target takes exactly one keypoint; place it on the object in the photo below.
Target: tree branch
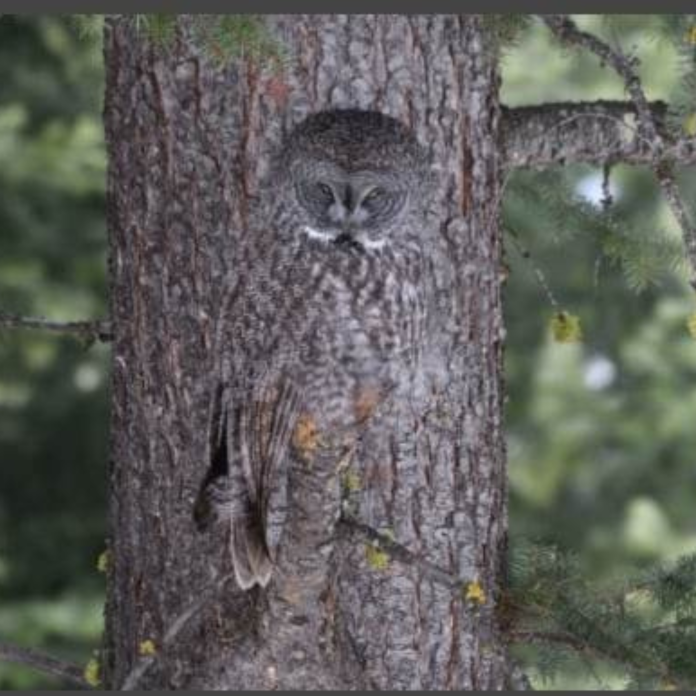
(97, 330)
(598, 133)
(567, 31)
(663, 166)
(553, 637)
(43, 663)
(621, 656)
(400, 553)
(145, 662)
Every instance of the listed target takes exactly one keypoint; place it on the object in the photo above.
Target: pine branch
(597, 132)
(570, 641)
(552, 605)
(567, 31)
(43, 663)
(552, 637)
(89, 331)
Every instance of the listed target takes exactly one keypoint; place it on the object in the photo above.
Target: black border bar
(342, 6)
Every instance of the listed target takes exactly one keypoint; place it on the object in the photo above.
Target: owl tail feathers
(250, 558)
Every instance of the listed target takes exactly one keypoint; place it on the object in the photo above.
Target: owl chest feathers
(360, 322)
(335, 319)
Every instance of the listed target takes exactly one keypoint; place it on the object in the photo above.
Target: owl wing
(265, 426)
(271, 418)
(247, 481)
(246, 486)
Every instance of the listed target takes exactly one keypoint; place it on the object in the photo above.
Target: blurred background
(601, 433)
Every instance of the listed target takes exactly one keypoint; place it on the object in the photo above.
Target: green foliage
(645, 251)
(67, 625)
(600, 434)
(53, 406)
(227, 37)
(538, 69)
(505, 30)
(159, 28)
(223, 38)
(89, 26)
(680, 32)
(645, 627)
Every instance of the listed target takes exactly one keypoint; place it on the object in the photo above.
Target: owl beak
(349, 199)
(346, 240)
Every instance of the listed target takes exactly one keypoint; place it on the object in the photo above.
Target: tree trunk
(188, 143)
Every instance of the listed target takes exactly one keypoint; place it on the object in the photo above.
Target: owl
(327, 318)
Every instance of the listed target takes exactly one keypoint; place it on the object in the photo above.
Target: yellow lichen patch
(104, 561)
(147, 648)
(565, 328)
(474, 593)
(690, 36)
(689, 125)
(306, 437)
(91, 672)
(377, 559)
(691, 325)
(351, 481)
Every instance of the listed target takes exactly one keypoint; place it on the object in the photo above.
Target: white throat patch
(327, 237)
(318, 234)
(374, 243)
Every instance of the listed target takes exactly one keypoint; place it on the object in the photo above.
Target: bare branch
(143, 665)
(400, 552)
(97, 330)
(553, 637)
(567, 31)
(43, 663)
(598, 133)
(620, 655)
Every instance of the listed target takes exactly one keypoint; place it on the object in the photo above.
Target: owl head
(352, 178)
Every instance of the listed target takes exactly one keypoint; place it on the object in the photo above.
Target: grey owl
(328, 315)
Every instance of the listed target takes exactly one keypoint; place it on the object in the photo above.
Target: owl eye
(324, 190)
(375, 195)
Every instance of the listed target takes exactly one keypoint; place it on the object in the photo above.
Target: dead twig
(44, 663)
(626, 67)
(89, 331)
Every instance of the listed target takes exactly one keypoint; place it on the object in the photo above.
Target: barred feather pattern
(317, 323)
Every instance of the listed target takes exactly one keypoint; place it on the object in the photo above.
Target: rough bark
(600, 132)
(188, 144)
